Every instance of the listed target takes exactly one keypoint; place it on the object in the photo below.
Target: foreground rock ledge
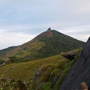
(80, 71)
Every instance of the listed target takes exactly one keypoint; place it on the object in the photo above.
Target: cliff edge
(80, 71)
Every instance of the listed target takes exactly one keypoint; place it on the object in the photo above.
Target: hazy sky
(21, 20)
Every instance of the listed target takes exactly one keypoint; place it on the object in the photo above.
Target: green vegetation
(54, 74)
(1, 61)
(49, 72)
(78, 54)
(12, 84)
(44, 45)
(55, 66)
(5, 51)
(15, 59)
(56, 44)
(26, 71)
(63, 75)
(24, 63)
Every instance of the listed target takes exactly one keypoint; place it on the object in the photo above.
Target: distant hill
(3, 52)
(46, 44)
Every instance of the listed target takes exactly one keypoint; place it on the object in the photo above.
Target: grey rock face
(80, 71)
(37, 74)
(55, 81)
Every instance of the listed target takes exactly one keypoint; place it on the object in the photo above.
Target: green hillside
(46, 44)
(26, 71)
(5, 51)
(55, 66)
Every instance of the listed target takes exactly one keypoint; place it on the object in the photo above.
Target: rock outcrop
(70, 56)
(80, 71)
(37, 74)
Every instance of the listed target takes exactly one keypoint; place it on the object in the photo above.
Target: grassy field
(26, 71)
(55, 66)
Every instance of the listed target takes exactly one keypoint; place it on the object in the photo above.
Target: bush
(1, 61)
(15, 59)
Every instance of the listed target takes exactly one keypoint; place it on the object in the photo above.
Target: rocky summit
(80, 71)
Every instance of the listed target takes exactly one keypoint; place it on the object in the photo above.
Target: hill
(3, 52)
(46, 44)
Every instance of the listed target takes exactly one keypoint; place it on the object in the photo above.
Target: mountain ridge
(46, 44)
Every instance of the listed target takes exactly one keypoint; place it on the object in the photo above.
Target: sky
(22, 20)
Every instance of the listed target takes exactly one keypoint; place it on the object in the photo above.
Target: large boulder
(70, 55)
(80, 71)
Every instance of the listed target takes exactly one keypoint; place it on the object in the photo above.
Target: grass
(49, 72)
(57, 65)
(63, 75)
(56, 69)
(26, 71)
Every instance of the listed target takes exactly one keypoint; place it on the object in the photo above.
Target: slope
(80, 71)
(3, 52)
(26, 71)
(46, 44)
(53, 71)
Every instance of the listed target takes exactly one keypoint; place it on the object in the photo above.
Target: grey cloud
(71, 17)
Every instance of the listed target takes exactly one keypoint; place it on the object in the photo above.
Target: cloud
(38, 12)
(80, 6)
(79, 32)
(25, 19)
(13, 39)
(74, 31)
